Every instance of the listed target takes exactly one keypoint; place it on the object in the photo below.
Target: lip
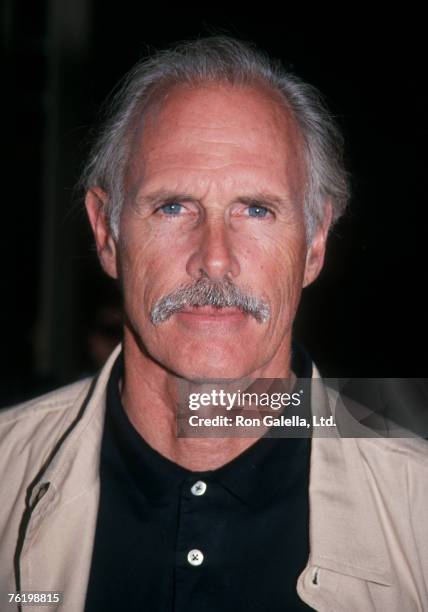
(211, 314)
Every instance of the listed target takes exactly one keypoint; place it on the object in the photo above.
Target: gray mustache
(205, 292)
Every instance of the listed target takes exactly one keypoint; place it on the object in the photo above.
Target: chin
(221, 365)
(212, 377)
(213, 373)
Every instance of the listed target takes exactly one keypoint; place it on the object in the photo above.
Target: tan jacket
(368, 508)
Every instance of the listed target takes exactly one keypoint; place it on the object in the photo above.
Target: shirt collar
(254, 476)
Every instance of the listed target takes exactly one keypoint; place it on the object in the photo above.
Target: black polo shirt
(173, 540)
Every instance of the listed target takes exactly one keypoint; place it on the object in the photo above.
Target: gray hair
(220, 59)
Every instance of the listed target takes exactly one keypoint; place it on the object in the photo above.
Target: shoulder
(376, 436)
(29, 431)
(31, 428)
(28, 434)
(38, 408)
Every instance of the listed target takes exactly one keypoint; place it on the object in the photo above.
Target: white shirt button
(195, 557)
(199, 488)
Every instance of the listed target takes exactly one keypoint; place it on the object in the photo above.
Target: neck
(149, 397)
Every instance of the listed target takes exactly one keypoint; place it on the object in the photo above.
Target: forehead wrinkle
(251, 94)
(246, 148)
(202, 154)
(191, 180)
(181, 177)
(213, 108)
(221, 166)
(203, 133)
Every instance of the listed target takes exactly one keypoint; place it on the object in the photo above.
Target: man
(210, 192)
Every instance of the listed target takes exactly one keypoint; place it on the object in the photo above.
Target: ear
(96, 204)
(316, 250)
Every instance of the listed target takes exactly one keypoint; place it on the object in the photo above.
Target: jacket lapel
(58, 540)
(345, 532)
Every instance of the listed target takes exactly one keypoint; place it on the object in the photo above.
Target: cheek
(276, 268)
(148, 270)
(136, 275)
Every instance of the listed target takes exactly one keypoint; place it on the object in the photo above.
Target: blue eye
(172, 209)
(257, 211)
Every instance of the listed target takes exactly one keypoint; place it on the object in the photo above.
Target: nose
(215, 255)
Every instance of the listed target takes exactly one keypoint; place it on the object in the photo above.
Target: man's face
(214, 191)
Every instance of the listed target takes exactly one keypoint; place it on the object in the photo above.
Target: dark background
(365, 316)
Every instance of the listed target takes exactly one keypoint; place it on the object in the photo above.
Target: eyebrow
(262, 198)
(163, 195)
